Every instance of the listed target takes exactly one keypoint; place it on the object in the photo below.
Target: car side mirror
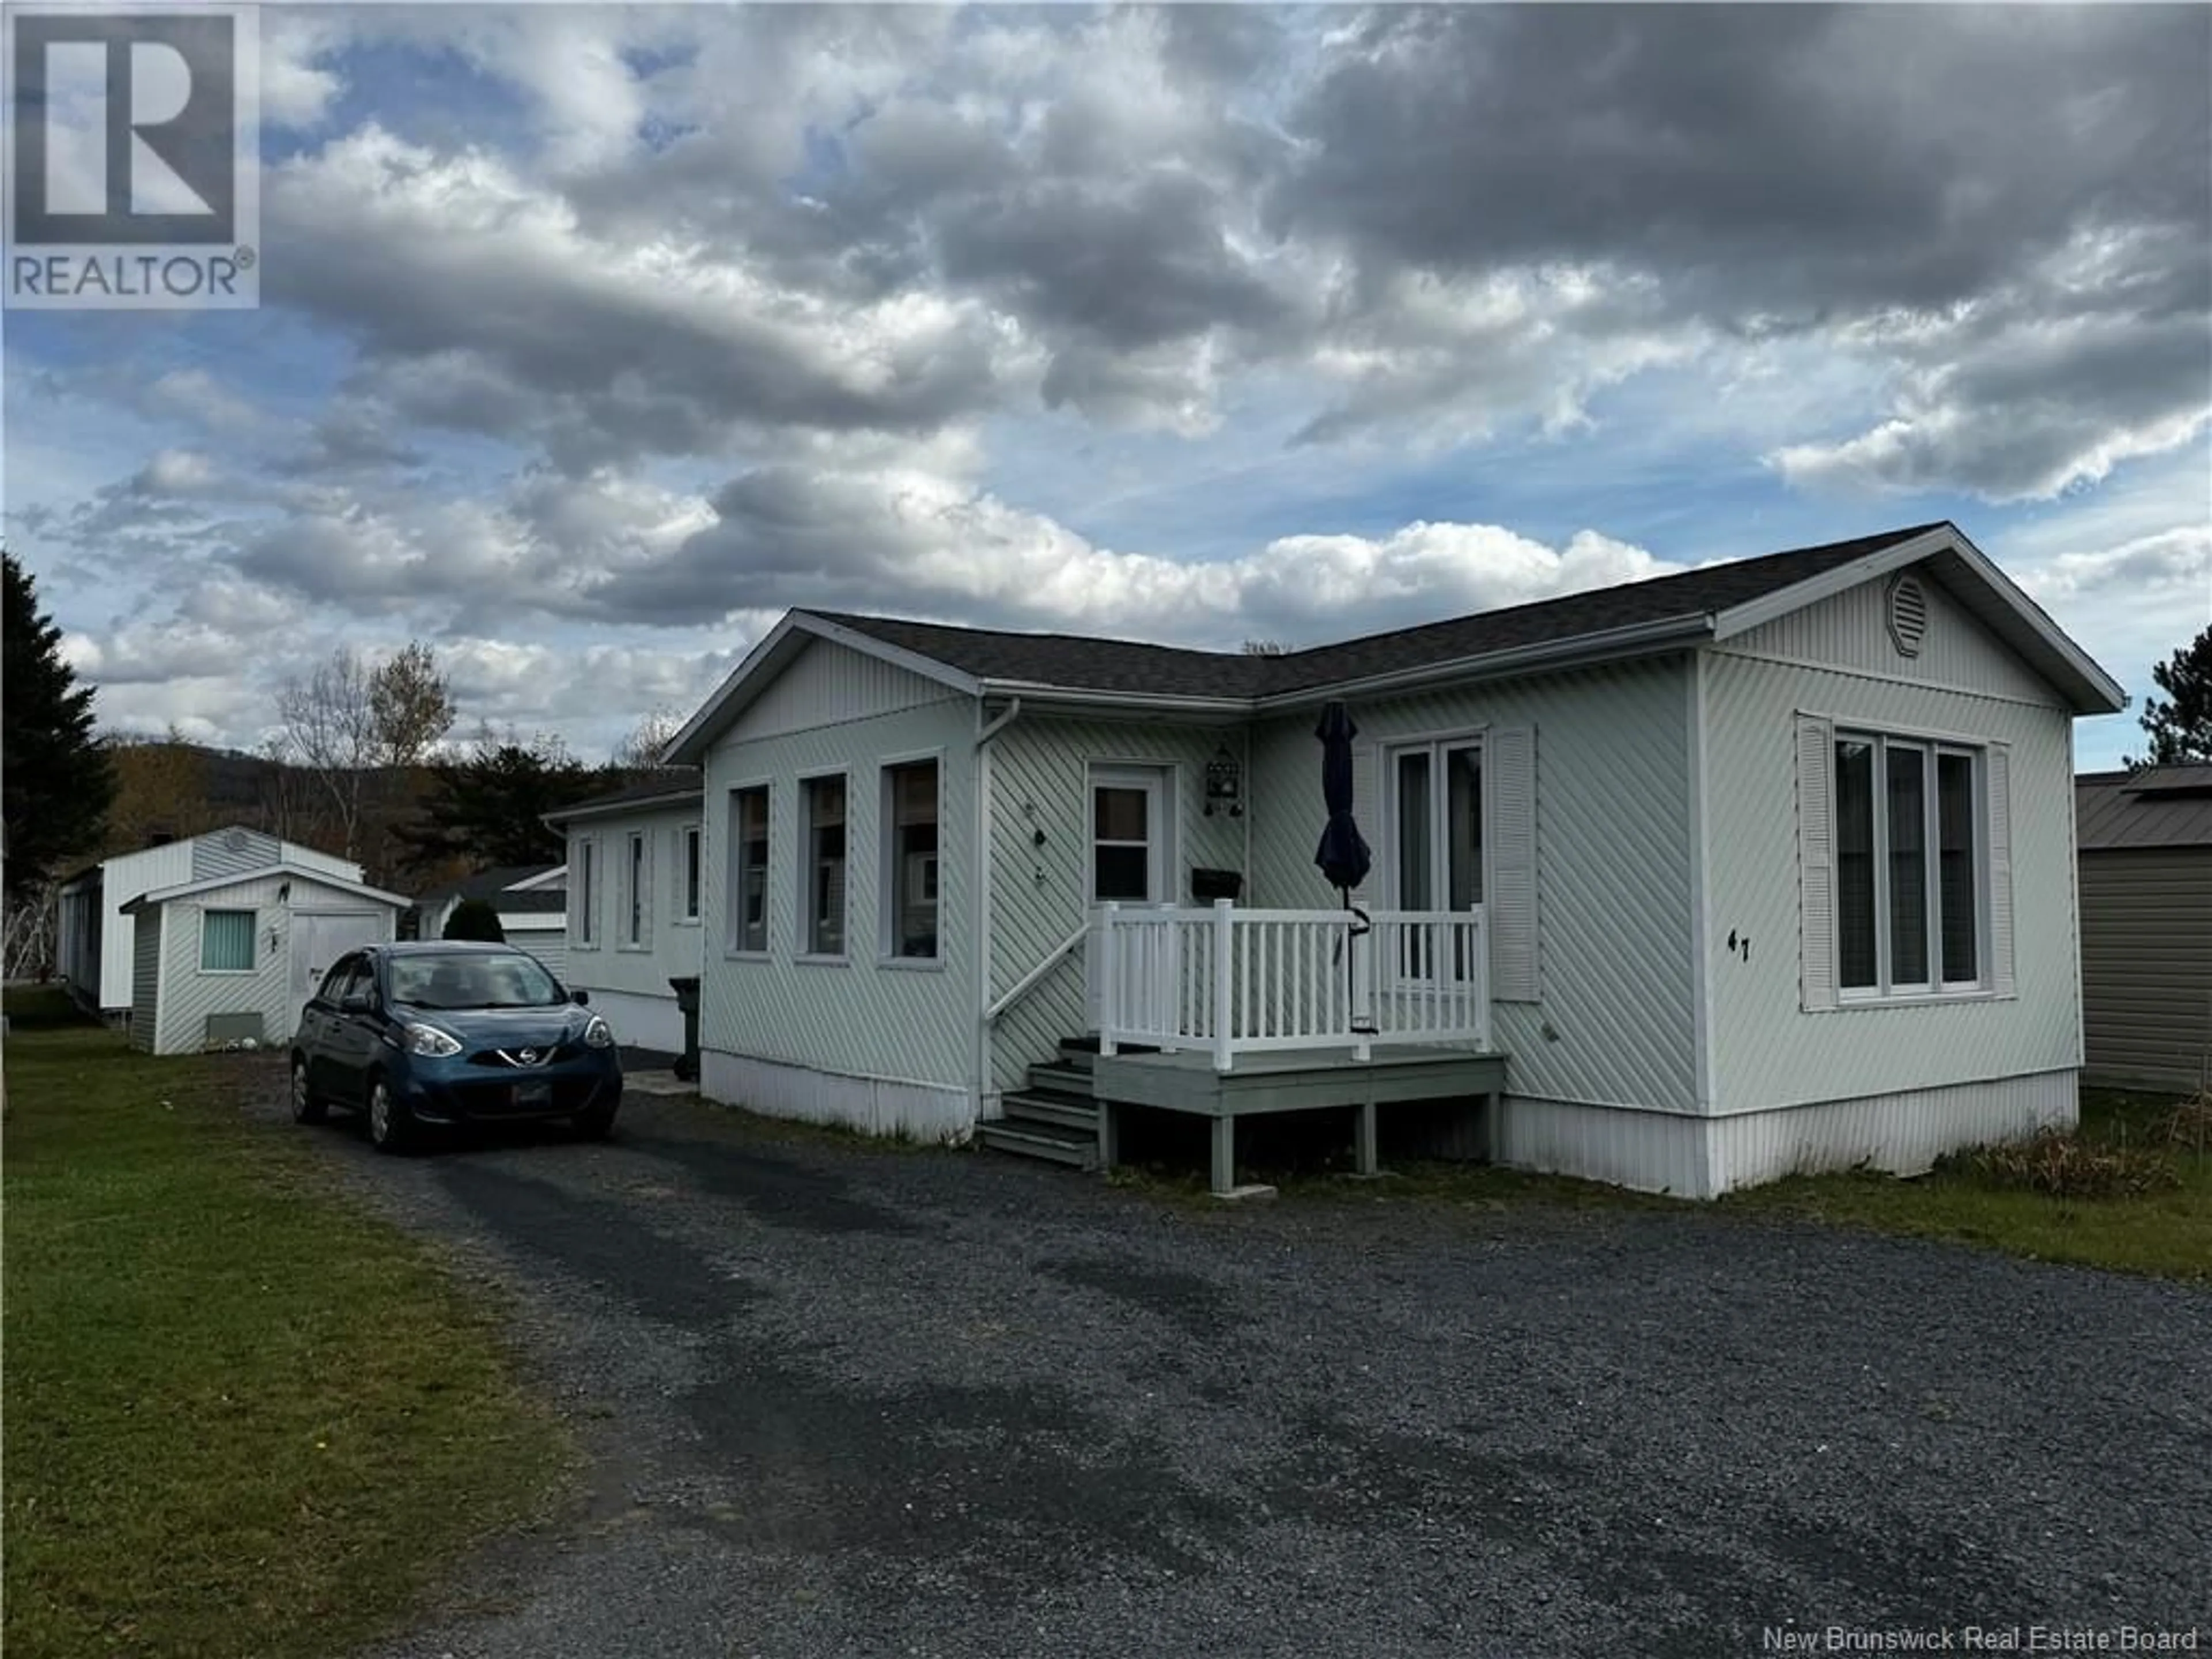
(581, 998)
(357, 1002)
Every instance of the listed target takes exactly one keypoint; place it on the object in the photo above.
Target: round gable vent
(234, 841)
(1908, 614)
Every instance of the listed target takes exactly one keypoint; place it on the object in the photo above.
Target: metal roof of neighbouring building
(2154, 806)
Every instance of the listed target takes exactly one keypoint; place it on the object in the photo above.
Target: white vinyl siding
(227, 940)
(1772, 949)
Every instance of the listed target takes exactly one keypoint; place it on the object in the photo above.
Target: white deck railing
(1233, 980)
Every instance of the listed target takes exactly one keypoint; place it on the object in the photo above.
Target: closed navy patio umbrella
(1343, 856)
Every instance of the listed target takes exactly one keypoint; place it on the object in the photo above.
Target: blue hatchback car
(452, 1033)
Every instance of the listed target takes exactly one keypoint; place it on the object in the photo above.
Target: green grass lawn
(242, 1415)
(2167, 1232)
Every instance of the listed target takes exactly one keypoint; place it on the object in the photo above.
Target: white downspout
(985, 732)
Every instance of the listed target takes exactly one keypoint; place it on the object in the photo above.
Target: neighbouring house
(634, 897)
(2145, 841)
(1683, 885)
(94, 947)
(234, 958)
(531, 902)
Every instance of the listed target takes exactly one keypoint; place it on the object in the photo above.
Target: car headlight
(599, 1034)
(429, 1040)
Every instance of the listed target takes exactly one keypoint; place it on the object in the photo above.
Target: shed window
(227, 941)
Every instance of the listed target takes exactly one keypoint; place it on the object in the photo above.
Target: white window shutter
(1367, 811)
(1509, 765)
(1816, 863)
(2002, 979)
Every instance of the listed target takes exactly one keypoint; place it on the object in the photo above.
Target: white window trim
(1883, 993)
(690, 857)
(887, 852)
(803, 845)
(253, 939)
(637, 893)
(733, 875)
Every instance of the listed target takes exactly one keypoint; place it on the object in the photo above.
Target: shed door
(318, 939)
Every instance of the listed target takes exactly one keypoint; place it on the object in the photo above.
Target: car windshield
(488, 979)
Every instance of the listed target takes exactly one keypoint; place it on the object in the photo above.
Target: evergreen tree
(475, 919)
(489, 808)
(57, 782)
(2180, 728)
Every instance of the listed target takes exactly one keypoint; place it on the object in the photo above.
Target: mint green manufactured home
(1683, 885)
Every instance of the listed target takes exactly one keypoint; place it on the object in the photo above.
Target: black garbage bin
(686, 999)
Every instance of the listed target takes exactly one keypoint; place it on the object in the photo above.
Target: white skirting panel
(641, 1022)
(1646, 1152)
(914, 1111)
(1902, 1133)
(1704, 1157)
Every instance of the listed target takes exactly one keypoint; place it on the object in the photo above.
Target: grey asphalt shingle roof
(671, 782)
(1082, 663)
(2158, 806)
(492, 885)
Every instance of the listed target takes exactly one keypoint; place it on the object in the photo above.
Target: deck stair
(1053, 1117)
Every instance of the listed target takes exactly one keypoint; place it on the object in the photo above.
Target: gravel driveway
(843, 1400)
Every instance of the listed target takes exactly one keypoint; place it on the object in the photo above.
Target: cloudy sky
(590, 340)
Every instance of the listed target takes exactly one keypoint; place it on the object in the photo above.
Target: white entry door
(1128, 860)
(319, 938)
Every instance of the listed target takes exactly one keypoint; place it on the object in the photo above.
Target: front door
(1128, 860)
(318, 939)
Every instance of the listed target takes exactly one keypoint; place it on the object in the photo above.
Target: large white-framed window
(584, 885)
(637, 890)
(909, 840)
(687, 875)
(1434, 796)
(1912, 867)
(747, 870)
(227, 941)
(821, 823)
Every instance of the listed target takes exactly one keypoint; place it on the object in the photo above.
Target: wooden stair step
(1050, 1141)
(1061, 1080)
(1038, 1106)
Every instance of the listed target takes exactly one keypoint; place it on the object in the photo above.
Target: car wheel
(307, 1108)
(599, 1122)
(390, 1128)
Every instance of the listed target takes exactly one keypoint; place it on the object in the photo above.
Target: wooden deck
(1285, 1081)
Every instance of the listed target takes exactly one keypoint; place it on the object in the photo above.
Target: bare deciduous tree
(329, 728)
(1266, 648)
(647, 745)
(411, 704)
